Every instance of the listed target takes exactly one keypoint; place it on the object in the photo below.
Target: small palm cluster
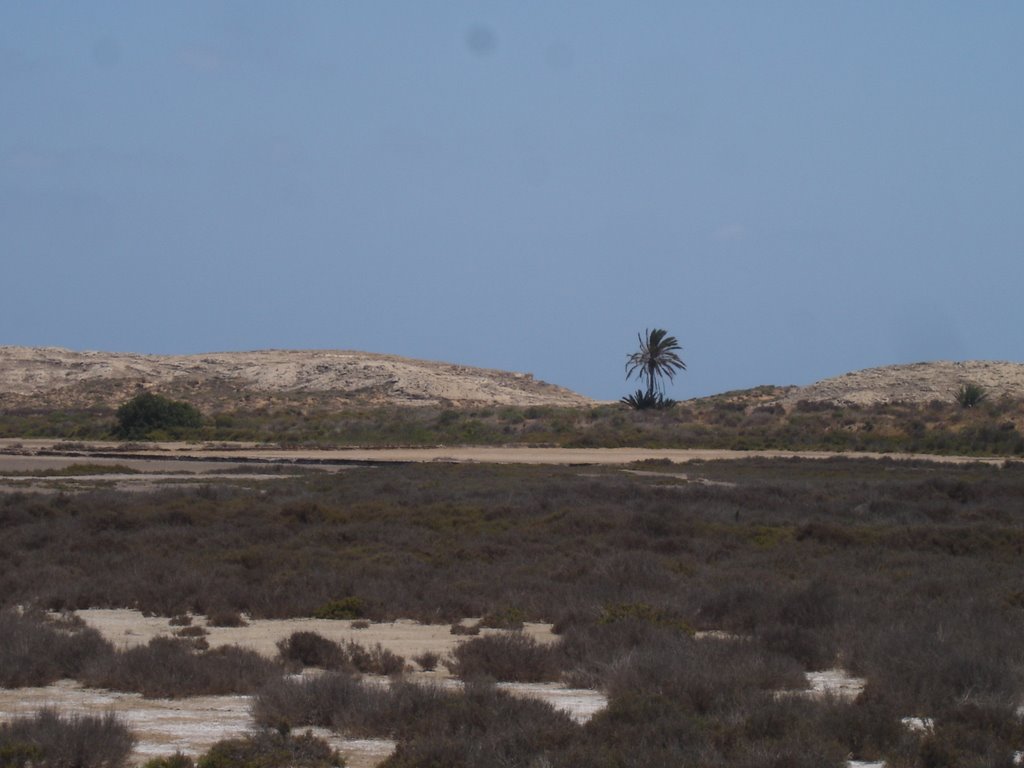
(655, 360)
(970, 395)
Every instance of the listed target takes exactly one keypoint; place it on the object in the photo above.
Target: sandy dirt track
(183, 457)
(571, 456)
(44, 467)
(152, 469)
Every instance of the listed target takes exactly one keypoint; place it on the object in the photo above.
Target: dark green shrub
(504, 618)
(970, 395)
(643, 612)
(345, 609)
(147, 413)
(225, 618)
(642, 401)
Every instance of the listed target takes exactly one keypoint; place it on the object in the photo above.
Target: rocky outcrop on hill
(50, 377)
(914, 383)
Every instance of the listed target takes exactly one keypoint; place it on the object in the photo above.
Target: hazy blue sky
(794, 189)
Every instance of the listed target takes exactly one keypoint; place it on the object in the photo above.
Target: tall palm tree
(657, 358)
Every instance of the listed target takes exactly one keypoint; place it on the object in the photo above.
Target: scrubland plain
(695, 599)
(344, 606)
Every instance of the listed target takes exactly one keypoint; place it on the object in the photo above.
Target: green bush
(970, 395)
(345, 609)
(504, 618)
(645, 613)
(147, 413)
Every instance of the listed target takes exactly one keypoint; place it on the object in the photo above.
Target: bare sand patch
(128, 628)
(835, 682)
(164, 726)
(191, 725)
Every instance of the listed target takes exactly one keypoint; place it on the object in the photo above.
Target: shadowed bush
(36, 652)
(312, 650)
(377, 660)
(50, 740)
(973, 737)
(703, 676)
(225, 618)
(478, 727)
(177, 760)
(333, 700)
(267, 749)
(512, 657)
(930, 665)
(428, 660)
(168, 667)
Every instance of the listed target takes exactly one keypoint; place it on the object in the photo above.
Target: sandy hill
(49, 377)
(914, 383)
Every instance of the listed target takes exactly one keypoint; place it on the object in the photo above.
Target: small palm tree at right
(970, 395)
(655, 360)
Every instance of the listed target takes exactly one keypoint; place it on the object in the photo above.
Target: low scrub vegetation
(478, 725)
(905, 573)
(267, 749)
(513, 657)
(168, 667)
(309, 649)
(56, 741)
(37, 652)
(261, 749)
(965, 422)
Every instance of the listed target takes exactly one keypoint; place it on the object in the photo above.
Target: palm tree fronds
(657, 358)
